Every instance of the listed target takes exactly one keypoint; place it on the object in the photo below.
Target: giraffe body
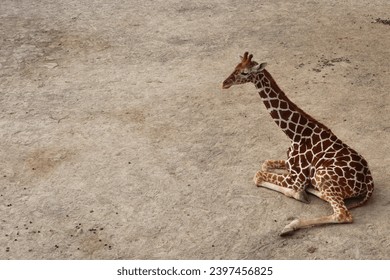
(317, 161)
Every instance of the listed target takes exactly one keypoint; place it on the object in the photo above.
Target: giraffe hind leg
(340, 215)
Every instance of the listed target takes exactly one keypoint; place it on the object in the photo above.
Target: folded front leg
(274, 165)
(282, 183)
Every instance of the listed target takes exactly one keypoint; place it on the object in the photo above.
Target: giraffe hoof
(290, 228)
(287, 231)
(257, 180)
(303, 197)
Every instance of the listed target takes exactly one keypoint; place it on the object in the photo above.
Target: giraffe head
(244, 72)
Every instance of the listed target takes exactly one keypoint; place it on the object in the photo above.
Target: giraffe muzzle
(225, 85)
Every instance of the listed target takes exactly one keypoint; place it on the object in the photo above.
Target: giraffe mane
(306, 115)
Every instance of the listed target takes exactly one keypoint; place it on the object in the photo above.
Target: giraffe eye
(244, 73)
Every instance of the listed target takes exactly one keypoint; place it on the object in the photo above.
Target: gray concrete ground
(117, 142)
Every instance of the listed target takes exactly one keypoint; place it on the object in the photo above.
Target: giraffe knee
(258, 178)
(264, 166)
(343, 217)
(340, 211)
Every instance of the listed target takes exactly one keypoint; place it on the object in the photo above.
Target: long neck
(294, 122)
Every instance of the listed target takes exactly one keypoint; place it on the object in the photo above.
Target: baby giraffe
(317, 161)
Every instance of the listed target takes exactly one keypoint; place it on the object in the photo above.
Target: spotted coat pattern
(317, 161)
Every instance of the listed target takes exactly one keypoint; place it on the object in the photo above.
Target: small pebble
(311, 249)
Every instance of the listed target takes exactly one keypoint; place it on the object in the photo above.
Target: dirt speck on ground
(117, 141)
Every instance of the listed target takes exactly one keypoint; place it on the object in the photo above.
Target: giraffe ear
(259, 67)
(262, 66)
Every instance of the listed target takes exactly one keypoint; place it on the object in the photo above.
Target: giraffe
(317, 161)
